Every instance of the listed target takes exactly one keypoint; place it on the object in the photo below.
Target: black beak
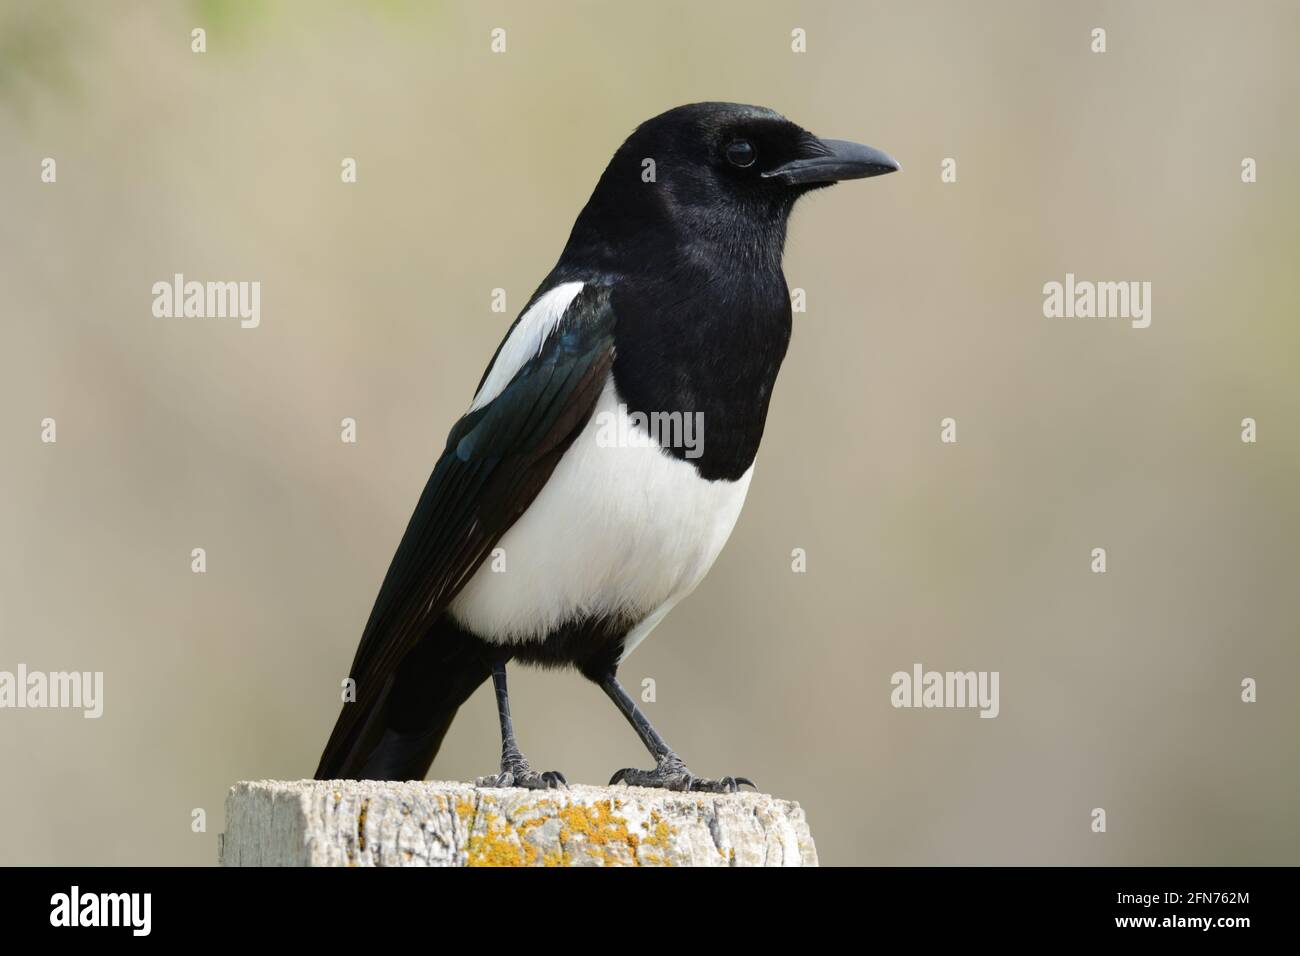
(840, 160)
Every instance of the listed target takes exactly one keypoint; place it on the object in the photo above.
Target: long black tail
(400, 733)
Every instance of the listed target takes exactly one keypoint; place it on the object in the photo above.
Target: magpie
(534, 541)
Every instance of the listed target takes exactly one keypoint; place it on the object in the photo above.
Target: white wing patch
(526, 340)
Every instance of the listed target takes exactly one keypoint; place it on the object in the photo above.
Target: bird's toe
(672, 774)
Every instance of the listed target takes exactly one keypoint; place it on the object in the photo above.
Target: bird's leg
(515, 771)
(670, 772)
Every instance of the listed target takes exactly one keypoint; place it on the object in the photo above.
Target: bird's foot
(671, 774)
(515, 772)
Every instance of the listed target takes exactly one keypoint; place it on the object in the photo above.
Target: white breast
(616, 530)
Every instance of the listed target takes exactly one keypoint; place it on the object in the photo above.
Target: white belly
(617, 531)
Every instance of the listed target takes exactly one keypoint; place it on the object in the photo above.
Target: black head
(720, 174)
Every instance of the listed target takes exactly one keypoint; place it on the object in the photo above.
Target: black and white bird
(668, 298)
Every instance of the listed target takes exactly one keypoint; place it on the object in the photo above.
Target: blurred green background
(1118, 691)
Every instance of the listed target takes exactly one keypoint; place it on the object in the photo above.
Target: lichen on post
(381, 823)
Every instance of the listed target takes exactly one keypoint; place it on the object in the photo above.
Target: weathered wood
(377, 823)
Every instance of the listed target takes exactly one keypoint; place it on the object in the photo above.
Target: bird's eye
(741, 153)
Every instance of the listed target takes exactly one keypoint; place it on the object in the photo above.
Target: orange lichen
(662, 832)
(604, 835)
(595, 831)
(502, 843)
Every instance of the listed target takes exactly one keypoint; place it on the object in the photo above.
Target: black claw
(673, 775)
(525, 778)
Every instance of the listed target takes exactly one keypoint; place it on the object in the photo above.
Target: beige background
(1118, 691)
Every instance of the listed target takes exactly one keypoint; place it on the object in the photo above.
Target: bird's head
(714, 172)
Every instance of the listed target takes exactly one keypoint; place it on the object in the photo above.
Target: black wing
(497, 459)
